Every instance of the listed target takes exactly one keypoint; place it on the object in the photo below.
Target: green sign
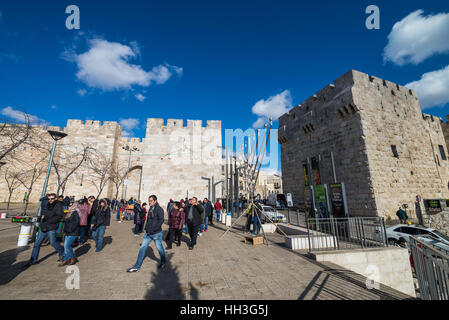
(320, 201)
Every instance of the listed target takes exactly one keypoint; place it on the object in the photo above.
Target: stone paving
(218, 268)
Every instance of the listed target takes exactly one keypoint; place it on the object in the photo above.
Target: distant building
(370, 134)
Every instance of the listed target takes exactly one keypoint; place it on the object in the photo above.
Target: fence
(431, 265)
(294, 217)
(346, 233)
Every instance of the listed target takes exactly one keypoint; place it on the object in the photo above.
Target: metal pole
(127, 181)
(227, 181)
(333, 167)
(213, 191)
(140, 182)
(231, 186)
(44, 189)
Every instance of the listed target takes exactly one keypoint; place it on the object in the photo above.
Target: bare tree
(13, 183)
(118, 176)
(29, 177)
(13, 135)
(100, 166)
(69, 161)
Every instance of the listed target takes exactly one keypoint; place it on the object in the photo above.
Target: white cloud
(417, 37)
(82, 92)
(140, 97)
(273, 107)
(432, 88)
(128, 125)
(106, 66)
(21, 116)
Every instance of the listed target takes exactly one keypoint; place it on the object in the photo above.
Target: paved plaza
(218, 268)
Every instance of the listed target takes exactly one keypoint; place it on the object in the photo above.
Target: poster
(316, 171)
(337, 201)
(321, 203)
(306, 175)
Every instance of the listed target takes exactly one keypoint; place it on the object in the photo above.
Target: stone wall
(170, 162)
(359, 118)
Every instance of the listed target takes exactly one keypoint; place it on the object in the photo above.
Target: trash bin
(24, 235)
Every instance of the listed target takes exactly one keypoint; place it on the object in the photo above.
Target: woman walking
(176, 220)
(84, 210)
(100, 222)
(71, 231)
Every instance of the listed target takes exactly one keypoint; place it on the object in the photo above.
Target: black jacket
(44, 203)
(101, 217)
(155, 220)
(72, 224)
(53, 214)
(208, 208)
(196, 214)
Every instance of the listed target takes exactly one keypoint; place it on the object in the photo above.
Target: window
(409, 230)
(443, 155)
(395, 151)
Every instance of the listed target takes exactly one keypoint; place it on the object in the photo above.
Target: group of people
(88, 218)
(190, 215)
(83, 219)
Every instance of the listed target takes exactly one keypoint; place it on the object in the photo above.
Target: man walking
(153, 231)
(53, 214)
(218, 208)
(209, 213)
(193, 218)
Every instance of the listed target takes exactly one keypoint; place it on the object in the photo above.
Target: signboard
(320, 201)
(289, 200)
(337, 201)
(432, 206)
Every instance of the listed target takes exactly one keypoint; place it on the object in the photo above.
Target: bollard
(24, 235)
(223, 217)
(3, 216)
(228, 220)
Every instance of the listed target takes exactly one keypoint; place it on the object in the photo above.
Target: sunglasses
(50, 199)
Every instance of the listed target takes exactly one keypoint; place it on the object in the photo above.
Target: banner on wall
(337, 200)
(321, 201)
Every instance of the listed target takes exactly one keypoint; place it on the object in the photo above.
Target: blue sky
(208, 60)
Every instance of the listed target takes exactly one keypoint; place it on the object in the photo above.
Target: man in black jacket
(193, 217)
(153, 231)
(49, 224)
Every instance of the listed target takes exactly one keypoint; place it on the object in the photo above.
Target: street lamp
(127, 148)
(56, 135)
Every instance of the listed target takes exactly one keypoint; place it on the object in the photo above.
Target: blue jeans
(98, 236)
(206, 222)
(68, 251)
(186, 228)
(82, 234)
(218, 215)
(256, 225)
(40, 238)
(117, 217)
(145, 243)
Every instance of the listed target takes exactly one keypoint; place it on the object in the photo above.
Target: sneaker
(61, 258)
(168, 248)
(200, 234)
(190, 248)
(97, 250)
(161, 266)
(136, 235)
(119, 221)
(132, 269)
(178, 244)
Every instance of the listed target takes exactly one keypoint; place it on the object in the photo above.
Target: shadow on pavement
(166, 285)
(9, 270)
(83, 249)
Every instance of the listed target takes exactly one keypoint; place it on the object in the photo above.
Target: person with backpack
(193, 217)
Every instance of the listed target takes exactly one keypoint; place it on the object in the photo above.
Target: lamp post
(127, 148)
(56, 135)
(208, 186)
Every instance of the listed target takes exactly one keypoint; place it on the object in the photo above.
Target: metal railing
(346, 233)
(294, 217)
(431, 265)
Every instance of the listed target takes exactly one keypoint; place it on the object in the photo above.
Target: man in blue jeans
(54, 212)
(153, 231)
